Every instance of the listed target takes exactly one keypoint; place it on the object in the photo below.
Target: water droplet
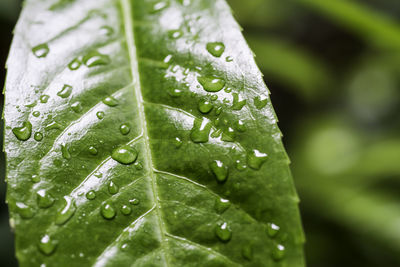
(216, 48)
(247, 252)
(74, 64)
(223, 232)
(240, 126)
(65, 91)
(205, 106)
(54, 125)
(44, 199)
(229, 59)
(214, 97)
(91, 195)
(124, 247)
(221, 205)
(175, 92)
(113, 188)
(110, 101)
(177, 142)
(240, 165)
(126, 210)
(218, 111)
(211, 83)
(76, 107)
(66, 213)
(41, 50)
(24, 132)
(92, 150)
(220, 170)
(106, 30)
(44, 98)
(94, 58)
(201, 130)
(24, 210)
(124, 129)
(216, 133)
(260, 102)
(100, 115)
(167, 59)
(124, 154)
(98, 174)
(65, 152)
(272, 229)
(157, 7)
(36, 113)
(175, 34)
(237, 103)
(35, 178)
(256, 158)
(138, 166)
(47, 245)
(134, 201)
(107, 211)
(228, 135)
(278, 253)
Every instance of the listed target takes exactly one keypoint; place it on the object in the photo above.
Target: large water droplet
(66, 213)
(221, 205)
(223, 232)
(124, 154)
(74, 64)
(65, 91)
(124, 129)
(107, 211)
(201, 130)
(238, 104)
(216, 48)
(44, 98)
(24, 132)
(211, 83)
(41, 50)
(47, 245)
(126, 210)
(113, 188)
(38, 136)
(44, 199)
(110, 101)
(94, 58)
(91, 195)
(260, 102)
(24, 210)
(220, 170)
(65, 152)
(278, 253)
(256, 158)
(272, 229)
(205, 106)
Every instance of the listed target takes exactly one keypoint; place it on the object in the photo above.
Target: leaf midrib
(133, 58)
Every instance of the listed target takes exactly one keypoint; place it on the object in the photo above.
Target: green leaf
(122, 164)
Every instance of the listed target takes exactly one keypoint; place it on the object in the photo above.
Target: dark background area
(333, 69)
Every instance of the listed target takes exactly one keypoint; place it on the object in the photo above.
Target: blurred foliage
(333, 68)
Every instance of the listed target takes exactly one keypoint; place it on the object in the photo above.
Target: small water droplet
(66, 213)
(36, 113)
(134, 201)
(205, 106)
(126, 210)
(220, 170)
(157, 7)
(47, 245)
(240, 165)
(178, 142)
(272, 229)
(201, 130)
(218, 111)
(216, 48)
(98, 174)
(44, 199)
(92, 150)
(65, 91)
(91, 195)
(41, 50)
(74, 64)
(54, 125)
(65, 152)
(94, 58)
(113, 188)
(124, 129)
(24, 132)
(278, 253)
(124, 154)
(106, 30)
(167, 59)
(107, 211)
(214, 97)
(124, 247)
(260, 102)
(35, 178)
(44, 98)
(256, 158)
(100, 115)
(175, 92)
(240, 126)
(229, 59)
(223, 232)
(24, 210)
(221, 205)
(238, 104)
(110, 101)
(228, 135)
(216, 133)
(175, 34)
(211, 83)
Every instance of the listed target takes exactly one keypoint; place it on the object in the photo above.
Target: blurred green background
(333, 68)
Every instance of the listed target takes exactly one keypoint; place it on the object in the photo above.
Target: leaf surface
(141, 133)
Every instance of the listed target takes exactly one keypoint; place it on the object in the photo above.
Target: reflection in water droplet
(126, 210)
(205, 106)
(278, 253)
(24, 132)
(36, 113)
(66, 213)
(216, 49)
(175, 92)
(107, 211)
(272, 229)
(44, 199)
(44, 98)
(175, 34)
(100, 115)
(92, 150)
(110, 101)
(260, 102)
(201, 130)
(24, 210)
(220, 170)
(221, 205)
(65, 91)
(223, 232)
(256, 158)
(211, 83)
(238, 104)
(41, 50)
(65, 152)
(91, 195)
(113, 188)
(124, 129)
(94, 58)
(134, 201)
(74, 64)
(47, 245)
(124, 154)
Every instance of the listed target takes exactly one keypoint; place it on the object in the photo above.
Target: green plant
(141, 133)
